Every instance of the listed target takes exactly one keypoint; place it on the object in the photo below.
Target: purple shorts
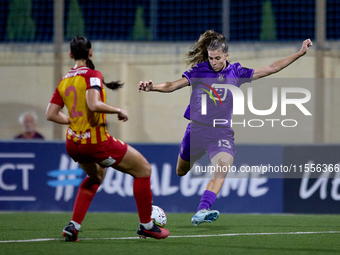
(199, 139)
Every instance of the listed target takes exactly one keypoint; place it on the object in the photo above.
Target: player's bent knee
(180, 172)
(98, 178)
(145, 170)
(183, 166)
(148, 169)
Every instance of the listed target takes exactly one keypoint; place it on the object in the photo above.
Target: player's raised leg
(183, 166)
(204, 214)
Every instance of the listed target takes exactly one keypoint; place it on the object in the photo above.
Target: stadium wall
(27, 81)
(41, 177)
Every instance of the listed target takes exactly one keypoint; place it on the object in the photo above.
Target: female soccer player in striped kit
(89, 144)
(209, 62)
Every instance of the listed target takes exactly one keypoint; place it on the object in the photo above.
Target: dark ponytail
(89, 63)
(113, 85)
(80, 47)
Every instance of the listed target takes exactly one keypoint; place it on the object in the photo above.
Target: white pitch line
(17, 155)
(30, 240)
(190, 236)
(258, 234)
(13, 198)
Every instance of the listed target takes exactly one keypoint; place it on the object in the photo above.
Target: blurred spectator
(29, 120)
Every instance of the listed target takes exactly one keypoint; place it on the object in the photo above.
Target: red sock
(86, 192)
(143, 197)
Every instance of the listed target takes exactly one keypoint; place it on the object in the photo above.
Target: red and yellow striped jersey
(87, 127)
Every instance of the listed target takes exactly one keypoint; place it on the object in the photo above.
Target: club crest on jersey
(220, 77)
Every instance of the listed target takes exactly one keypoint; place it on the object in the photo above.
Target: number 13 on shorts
(223, 143)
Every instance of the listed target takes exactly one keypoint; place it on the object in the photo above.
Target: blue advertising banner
(40, 176)
(317, 190)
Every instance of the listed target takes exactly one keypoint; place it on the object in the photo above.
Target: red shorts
(107, 153)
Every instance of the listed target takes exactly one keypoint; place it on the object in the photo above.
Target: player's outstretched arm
(163, 87)
(282, 63)
(54, 114)
(96, 105)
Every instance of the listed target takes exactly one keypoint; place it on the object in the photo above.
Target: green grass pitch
(230, 234)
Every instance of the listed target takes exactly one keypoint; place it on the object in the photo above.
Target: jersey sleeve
(243, 73)
(57, 99)
(94, 79)
(189, 74)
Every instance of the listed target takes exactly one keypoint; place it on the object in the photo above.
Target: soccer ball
(158, 216)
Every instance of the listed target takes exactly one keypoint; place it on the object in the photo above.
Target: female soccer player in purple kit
(210, 70)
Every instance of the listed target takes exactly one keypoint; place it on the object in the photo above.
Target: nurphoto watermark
(217, 93)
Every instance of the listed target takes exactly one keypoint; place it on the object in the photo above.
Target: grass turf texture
(25, 226)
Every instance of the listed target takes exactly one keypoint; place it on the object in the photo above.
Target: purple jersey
(218, 100)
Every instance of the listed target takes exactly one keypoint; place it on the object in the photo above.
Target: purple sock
(207, 199)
